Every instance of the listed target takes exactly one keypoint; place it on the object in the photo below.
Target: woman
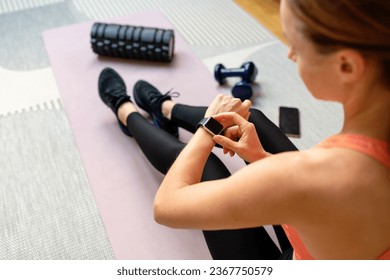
(332, 200)
(336, 198)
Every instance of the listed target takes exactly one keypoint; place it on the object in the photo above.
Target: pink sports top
(376, 149)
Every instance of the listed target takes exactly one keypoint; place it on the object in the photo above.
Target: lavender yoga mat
(122, 180)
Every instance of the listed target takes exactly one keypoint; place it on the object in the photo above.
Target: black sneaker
(148, 98)
(112, 91)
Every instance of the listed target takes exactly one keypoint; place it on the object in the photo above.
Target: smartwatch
(210, 125)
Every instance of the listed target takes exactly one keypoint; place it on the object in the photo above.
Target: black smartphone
(289, 122)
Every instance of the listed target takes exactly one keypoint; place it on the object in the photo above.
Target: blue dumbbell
(247, 72)
(242, 90)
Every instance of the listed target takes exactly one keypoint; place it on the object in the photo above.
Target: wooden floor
(266, 12)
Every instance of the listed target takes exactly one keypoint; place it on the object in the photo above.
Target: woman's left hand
(224, 103)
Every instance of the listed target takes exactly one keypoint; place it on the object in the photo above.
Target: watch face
(211, 125)
(214, 126)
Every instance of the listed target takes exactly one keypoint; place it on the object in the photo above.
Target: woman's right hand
(240, 137)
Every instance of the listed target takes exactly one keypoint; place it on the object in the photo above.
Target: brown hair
(363, 25)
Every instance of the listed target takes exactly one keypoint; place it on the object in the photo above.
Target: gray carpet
(47, 210)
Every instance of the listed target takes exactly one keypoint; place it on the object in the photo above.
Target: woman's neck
(368, 113)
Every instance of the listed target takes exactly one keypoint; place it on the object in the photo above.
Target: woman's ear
(351, 65)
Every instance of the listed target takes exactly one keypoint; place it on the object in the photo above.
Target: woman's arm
(261, 193)
(188, 168)
(267, 191)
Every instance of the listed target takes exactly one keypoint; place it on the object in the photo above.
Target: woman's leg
(162, 149)
(187, 117)
(272, 138)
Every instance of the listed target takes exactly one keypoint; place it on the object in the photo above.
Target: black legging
(161, 149)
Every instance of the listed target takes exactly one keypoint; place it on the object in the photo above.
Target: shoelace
(115, 94)
(160, 97)
(171, 93)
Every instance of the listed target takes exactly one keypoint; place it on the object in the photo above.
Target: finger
(247, 103)
(225, 151)
(230, 118)
(248, 115)
(225, 142)
(232, 133)
(226, 122)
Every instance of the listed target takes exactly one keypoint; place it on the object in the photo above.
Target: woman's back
(351, 218)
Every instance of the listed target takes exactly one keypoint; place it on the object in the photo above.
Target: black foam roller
(132, 42)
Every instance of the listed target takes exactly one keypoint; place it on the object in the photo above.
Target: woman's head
(361, 25)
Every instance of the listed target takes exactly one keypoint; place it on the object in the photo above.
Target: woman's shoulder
(339, 177)
(345, 180)
(349, 165)
(340, 167)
